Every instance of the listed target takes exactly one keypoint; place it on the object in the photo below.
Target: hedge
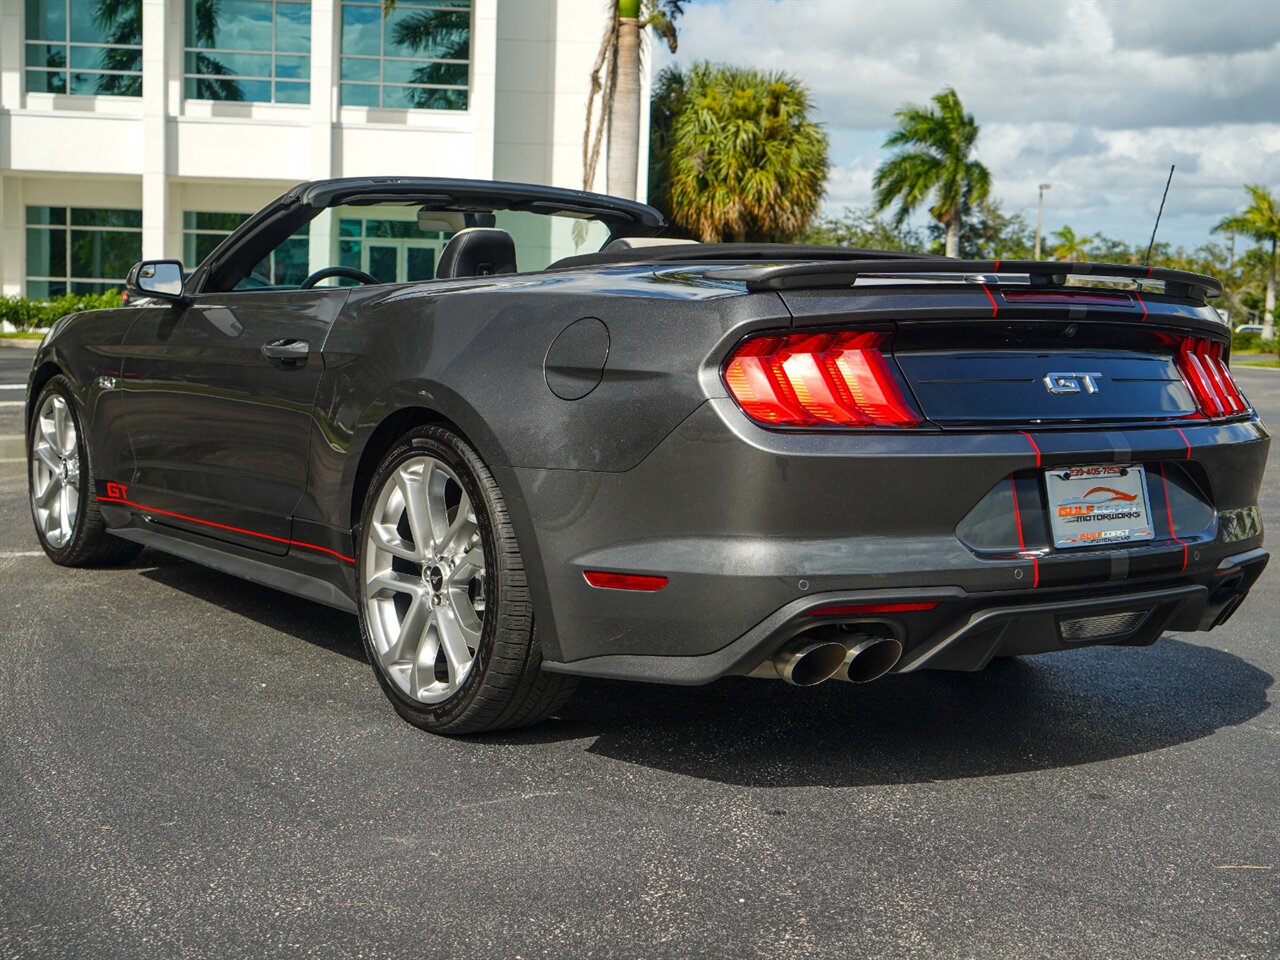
(35, 314)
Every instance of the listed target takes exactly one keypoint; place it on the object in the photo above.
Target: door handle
(290, 351)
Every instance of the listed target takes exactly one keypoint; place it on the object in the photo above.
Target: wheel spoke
(46, 497)
(48, 430)
(45, 454)
(435, 481)
(387, 539)
(461, 530)
(389, 581)
(64, 429)
(468, 565)
(413, 494)
(64, 526)
(423, 672)
(453, 640)
(413, 632)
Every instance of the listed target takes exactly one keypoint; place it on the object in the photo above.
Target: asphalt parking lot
(195, 766)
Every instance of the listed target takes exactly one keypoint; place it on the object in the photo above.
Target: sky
(1095, 97)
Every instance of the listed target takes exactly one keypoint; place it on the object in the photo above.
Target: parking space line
(13, 403)
(13, 386)
(19, 554)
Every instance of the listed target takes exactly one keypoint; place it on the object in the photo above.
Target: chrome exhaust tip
(804, 664)
(869, 659)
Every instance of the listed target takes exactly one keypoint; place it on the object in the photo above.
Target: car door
(218, 402)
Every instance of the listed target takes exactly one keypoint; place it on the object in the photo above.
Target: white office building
(150, 128)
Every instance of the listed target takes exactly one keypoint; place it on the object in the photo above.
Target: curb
(15, 344)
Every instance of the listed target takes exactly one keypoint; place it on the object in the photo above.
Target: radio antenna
(1146, 261)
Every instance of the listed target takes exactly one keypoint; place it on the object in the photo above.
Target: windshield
(402, 242)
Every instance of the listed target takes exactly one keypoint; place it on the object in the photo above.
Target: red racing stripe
(995, 310)
(1142, 303)
(1034, 446)
(223, 526)
(1184, 440)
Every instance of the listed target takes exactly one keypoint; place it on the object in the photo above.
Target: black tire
(506, 686)
(90, 544)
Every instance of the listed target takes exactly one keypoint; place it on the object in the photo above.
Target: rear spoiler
(1036, 273)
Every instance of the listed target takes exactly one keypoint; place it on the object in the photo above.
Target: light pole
(1040, 217)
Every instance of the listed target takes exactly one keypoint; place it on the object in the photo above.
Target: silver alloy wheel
(55, 471)
(423, 572)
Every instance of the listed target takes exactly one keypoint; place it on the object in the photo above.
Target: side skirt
(290, 581)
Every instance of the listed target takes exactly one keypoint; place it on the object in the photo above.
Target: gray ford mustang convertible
(525, 440)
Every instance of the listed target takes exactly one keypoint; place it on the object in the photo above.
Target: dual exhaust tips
(809, 661)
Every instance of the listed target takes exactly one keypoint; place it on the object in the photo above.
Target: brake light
(1208, 378)
(818, 379)
(624, 581)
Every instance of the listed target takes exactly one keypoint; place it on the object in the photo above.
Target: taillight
(1207, 377)
(818, 379)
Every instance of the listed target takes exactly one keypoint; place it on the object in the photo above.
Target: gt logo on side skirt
(1071, 382)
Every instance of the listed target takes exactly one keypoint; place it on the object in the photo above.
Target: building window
(252, 50)
(202, 232)
(84, 47)
(394, 251)
(417, 56)
(78, 250)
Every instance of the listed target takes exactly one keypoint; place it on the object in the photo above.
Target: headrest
(477, 252)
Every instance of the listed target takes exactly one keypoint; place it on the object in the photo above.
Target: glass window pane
(45, 289)
(236, 25)
(422, 263)
(433, 34)
(116, 22)
(197, 246)
(46, 215)
(408, 71)
(290, 262)
(46, 20)
(119, 85)
(223, 222)
(46, 55)
(349, 253)
(38, 81)
(382, 263)
(359, 95)
(360, 68)
(293, 68)
(86, 217)
(236, 64)
(46, 252)
(105, 254)
(292, 92)
(293, 27)
(362, 30)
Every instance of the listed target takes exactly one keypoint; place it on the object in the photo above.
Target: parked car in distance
(532, 441)
(1249, 328)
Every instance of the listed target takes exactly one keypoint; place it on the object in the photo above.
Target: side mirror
(161, 279)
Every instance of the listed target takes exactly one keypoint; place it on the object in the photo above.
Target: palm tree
(615, 79)
(1259, 221)
(933, 150)
(744, 161)
(1069, 246)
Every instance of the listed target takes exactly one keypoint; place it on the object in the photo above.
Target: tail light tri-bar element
(841, 379)
(1207, 377)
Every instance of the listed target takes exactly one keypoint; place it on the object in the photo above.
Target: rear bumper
(965, 631)
(753, 527)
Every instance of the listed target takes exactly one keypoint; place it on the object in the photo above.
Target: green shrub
(34, 314)
(1251, 343)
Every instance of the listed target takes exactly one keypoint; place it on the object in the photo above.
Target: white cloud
(1097, 98)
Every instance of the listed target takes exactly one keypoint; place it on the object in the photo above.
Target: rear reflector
(818, 380)
(624, 581)
(1207, 377)
(855, 610)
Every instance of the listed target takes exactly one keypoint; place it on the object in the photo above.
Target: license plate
(1096, 506)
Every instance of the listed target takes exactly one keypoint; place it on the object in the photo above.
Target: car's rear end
(925, 465)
